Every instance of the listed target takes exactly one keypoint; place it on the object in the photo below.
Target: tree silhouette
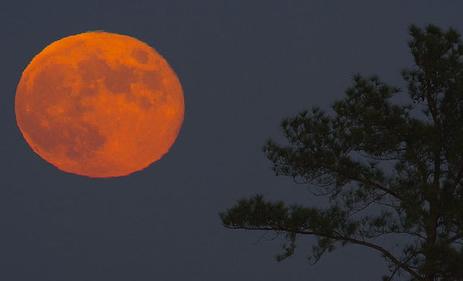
(388, 170)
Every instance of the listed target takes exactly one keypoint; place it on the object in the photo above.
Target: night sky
(244, 65)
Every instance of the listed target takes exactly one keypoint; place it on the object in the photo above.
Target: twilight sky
(244, 65)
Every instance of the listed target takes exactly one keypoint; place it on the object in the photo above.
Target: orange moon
(99, 104)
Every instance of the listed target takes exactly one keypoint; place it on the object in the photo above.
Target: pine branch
(338, 237)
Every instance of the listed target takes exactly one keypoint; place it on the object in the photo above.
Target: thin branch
(396, 270)
(367, 181)
(379, 234)
(338, 237)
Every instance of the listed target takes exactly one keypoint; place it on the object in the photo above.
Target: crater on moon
(140, 55)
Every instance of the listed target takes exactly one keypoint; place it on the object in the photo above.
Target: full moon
(99, 104)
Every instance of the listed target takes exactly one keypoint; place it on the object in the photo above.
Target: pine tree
(389, 170)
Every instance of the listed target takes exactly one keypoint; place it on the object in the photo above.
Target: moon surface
(99, 104)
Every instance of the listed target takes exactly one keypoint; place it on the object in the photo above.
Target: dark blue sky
(244, 65)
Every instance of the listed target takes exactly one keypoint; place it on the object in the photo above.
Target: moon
(99, 104)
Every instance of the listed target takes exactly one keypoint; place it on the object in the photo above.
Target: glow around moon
(99, 104)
